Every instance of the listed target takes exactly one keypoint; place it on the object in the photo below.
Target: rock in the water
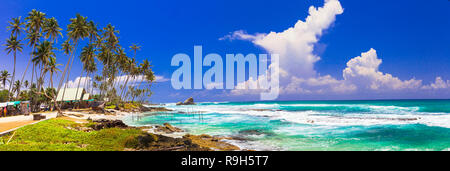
(167, 128)
(189, 101)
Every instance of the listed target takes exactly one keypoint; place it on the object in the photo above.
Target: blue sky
(410, 37)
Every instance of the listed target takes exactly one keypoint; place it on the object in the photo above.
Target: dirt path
(15, 124)
(12, 122)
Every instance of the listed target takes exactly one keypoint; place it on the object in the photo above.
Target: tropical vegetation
(108, 73)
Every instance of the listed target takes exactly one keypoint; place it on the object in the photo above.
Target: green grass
(55, 135)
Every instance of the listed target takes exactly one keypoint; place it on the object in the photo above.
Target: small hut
(71, 96)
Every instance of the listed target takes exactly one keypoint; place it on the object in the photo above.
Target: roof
(86, 96)
(70, 94)
(9, 103)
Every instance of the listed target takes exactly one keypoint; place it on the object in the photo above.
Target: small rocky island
(189, 101)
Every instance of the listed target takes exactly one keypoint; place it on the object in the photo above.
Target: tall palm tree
(93, 32)
(98, 78)
(4, 77)
(52, 67)
(91, 68)
(77, 29)
(110, 46)
(121, 60)
(13, 45)
(135, 48)
(87, 56)
(35, 21)
(42, 57)
(145, 69)
(52, 29)
(26, 84)
(15, 26)
(16, 88)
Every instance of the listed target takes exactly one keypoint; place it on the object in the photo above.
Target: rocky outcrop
(104, 123)
(154, 109)
(167, 128)
(189, 101)
(98, 107)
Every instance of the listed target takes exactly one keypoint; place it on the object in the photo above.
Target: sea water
(316, 125)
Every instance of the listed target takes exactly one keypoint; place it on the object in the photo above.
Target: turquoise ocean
(316, 125)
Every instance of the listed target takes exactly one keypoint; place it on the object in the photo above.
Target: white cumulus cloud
(363, 71)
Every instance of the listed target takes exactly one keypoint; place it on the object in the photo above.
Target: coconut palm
(145, 69)
(16, 88)
(42, 57)
(109, 33)
(13, 45)
(26, 84)
(77, 29)
(107, 51)
(87, 56)
(52, 67)
(121, 61)
(35, 21)
(91, 68)
(15, 26)
(93, 32)
(4, 77)
(52, 29)
(135, 48)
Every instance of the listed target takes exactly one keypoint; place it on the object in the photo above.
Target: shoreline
(214, 143)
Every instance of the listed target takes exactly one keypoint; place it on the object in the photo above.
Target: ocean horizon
(329, 125)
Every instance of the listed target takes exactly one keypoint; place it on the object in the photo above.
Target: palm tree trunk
(51, 80)
(67, 78)
(124, 86)
(13, 76)
(61, 81)
(28, 65)
(78, 87)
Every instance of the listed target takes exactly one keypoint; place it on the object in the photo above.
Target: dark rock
(145, 140)
(98, 106)
(189, 101)
(154, 109)
(104, 123)
(255, 132)
(167, 128)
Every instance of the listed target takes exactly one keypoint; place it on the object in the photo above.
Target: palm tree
(52, 67)
(111, 46)
(16, 88)
(86, 57)
(35, 21)
(145, 69)
(52, 29)
(42, 57)
(15, 26)
(98, 78)
(4, 77)
(13, 45)
(135, 48)
(26, 84)
(121, 63)
(93, 32)
(91, 68)
(77, 30)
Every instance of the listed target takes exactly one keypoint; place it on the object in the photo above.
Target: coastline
(163, 137)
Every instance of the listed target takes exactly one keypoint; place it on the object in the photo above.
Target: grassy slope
(55, 135)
